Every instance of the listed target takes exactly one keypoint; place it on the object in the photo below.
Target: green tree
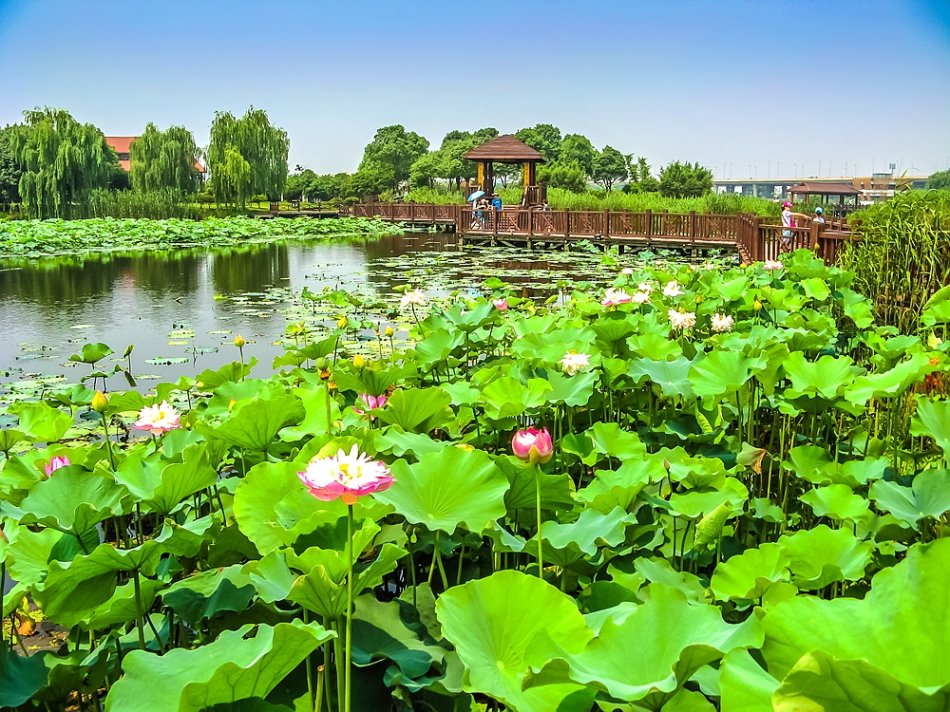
(164, 159)
(232, 177)
(263, 148)
(62, 162)
(682, 180)
(544, 138)
(392, 152)
(9, 168)
(610, 166)
(372, 179)
(939, 180)
(579, 150)
(426, 169)
(569, 176)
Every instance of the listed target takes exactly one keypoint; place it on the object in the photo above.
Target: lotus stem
(537, 503)
(139, 613)
(347, 671)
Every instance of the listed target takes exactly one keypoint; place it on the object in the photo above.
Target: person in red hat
(789, 221)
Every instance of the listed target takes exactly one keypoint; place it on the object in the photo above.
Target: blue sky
(741, 86)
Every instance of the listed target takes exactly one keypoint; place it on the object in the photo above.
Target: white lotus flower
(415, 297)
(722, 323)
(641, 297)
(573, 362)
(681, 319)
(672, 289)
(770, 265)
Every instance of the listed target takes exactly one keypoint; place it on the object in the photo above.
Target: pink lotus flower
(615, 297)
(770, 265)
(532, 445)
(500, 304)
(346, 476)
(158, 419)
(371, 403)
(55, 463)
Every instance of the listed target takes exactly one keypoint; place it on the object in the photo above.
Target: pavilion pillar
(481, 175)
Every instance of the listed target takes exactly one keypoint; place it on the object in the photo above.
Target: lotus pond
(684, 489)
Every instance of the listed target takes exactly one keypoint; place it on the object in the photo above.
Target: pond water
(182, 309)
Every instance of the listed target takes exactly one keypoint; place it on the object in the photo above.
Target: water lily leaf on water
(448, 489)
(506, 624)
(820, 682)
(927, 497)
(628, 661)
(236, 666)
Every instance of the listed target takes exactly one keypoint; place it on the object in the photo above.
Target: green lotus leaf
(121, 607)
(837, 502)
(208, 593)
(400, 443)
(21, 677)
(814, 464)
(614, 326)
(828, 377)
(163, 488)
(902, 625)
(10, 437)
(671, 376)
(579, 445)
(436, 346)
(234, 667)
(751, 574)
(698, 503)
(255, 424)
(506, 624)
(620, 487)
(928, 496)
(573, 390)
(731, 289)
(660, 571)
(26, 552)
(41, 422)
(819, 682)
(937, 309)
(744, 686)
(721, 373)
(448, 489)
(890, 383)
(314, 401)
(417, 410)
(557, 491)
(654, 346)
(820, 556)
(933, 419)
(857, 308)
(507, 397)
(91, 353)
(550, 346)
(590, 531)
(629, 660)
(610, 439)
(815, 288)
(73, 500)
(273, 508)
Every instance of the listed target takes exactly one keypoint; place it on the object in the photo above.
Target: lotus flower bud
(390, 331)
(100, 402)
(239, 341)
(359, 361)
(532, 445)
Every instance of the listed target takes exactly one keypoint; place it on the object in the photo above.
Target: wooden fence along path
(750, 235)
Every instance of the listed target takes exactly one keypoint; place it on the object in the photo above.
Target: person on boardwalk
(819, 215)
(789, 222)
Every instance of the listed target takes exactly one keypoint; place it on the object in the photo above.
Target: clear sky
(760, 86)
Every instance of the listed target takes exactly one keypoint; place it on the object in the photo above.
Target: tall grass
(154, 204)
(903, 255)
(560, 199)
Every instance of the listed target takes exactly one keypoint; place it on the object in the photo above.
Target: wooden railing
(756, 238)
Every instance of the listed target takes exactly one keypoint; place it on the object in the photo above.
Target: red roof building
(123, 147)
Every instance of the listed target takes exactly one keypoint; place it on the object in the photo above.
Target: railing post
(756, 240)
(607, 223)
(530, 222)
(412, 212)
(432, 212)
(691, 228)
(649, 234)
(567, 224)
(494, 223)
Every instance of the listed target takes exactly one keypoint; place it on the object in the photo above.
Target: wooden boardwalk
(753, 237)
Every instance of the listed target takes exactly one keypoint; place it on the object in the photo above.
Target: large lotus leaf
(743, 685)
(551, 347)
(448, 489)
(255, 424)
(671, 376)
(72, 500)
(314, 401)
(504, 625)
(417, 410)
(21, 677)
(234, 667)
(889, 383)
(928, 496)
(820, 556)
(837, 502)
(591, 530)
(208, 593)
(400, 443)
(654, 649)
(660, 571)
(937, 309)
(815, 288)
(620, 487)
(507, 397)
(697, 503)
(573, 390)
(750, 574)
(162, 488)
(27, 553)
(933, 419)
(693, 472)
(721, 373)
(614, 326)
(901, 626)
(827, 377)
(41, 422)
(73, 589)
(814, 464)
(610, 439)
(557, 491)
(819, 682)
(273, 508)
(654, 346)
(91, 353)
(122, 606)
(380, 633)
(857, 308)
(436, 347)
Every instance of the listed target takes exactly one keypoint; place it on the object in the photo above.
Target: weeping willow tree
(163, 160)
(262, 149)
(62, 161)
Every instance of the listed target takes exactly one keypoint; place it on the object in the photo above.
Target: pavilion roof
(504, 149)
(814, 188)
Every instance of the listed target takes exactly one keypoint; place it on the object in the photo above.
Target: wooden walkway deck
(753, 237)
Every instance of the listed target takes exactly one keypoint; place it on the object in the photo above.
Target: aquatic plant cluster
(44, 237)
(727, 493)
